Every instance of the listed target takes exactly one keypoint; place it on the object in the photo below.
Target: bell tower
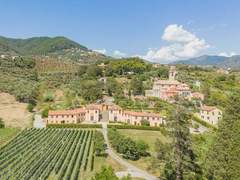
(172, 73)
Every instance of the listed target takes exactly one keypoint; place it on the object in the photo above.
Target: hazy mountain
(218, 61)
(59, 47)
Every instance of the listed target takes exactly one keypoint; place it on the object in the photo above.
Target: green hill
(58, 47)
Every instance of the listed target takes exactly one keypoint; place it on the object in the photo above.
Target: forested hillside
(57, 47)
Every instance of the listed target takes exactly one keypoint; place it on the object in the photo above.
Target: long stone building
(94, 113)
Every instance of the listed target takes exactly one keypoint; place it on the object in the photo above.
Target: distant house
(167, 89)
(210, 114)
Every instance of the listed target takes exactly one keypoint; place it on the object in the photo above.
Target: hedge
(204, 123)
(150, 128)
(74, 126)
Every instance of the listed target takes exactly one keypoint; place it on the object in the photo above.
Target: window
(92, 118)
(208, 118)
(72, 116)
(96, 112)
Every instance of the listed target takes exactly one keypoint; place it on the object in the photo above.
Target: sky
(157, 30)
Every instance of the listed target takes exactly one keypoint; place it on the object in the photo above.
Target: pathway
(131, 169)
(38, 121)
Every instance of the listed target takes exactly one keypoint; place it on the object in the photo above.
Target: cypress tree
(223, 161)
(182, 163)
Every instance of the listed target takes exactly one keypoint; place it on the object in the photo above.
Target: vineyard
(44, 153)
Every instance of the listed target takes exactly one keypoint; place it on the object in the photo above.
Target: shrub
(30, 107)
(45, 112)
(2, 125)
(74, 126)
(129, 148)
(145, 122)
(48, 97)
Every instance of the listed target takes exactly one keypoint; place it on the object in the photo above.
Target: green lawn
(148, 136)
(146, 163)
(6, 134)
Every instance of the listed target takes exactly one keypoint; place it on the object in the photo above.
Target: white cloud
(183, 44)
(227, 54)
(118, 54)
(102, 51)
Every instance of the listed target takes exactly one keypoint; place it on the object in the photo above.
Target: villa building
(102, 112)
(210, 114)
(135, 118)
(66, 116)
(167, 89)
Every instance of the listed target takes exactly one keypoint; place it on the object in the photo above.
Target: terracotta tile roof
(94, 106)
(114, 107)
(167, 82)
(67, 112)
(142, 114)
(183, 87)
(208, 108)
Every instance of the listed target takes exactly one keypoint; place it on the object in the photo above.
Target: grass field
(6, 134)
(147, 136)
(150, 137)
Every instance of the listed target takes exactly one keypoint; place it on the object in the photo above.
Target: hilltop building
(210, 114)
(166, 89)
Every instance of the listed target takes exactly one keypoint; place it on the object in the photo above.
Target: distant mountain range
(59, 47)
(218, 61)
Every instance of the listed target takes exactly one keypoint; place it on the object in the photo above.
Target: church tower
(172, 73)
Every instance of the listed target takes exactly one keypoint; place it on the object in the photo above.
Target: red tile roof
(94, 106)
(142, 114)
(167, 82)
(67, 112)
(208, 108)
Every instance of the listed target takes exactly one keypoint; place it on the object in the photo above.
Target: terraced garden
(48, 154)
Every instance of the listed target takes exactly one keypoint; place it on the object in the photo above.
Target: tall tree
(224, 160)
(137, 86)
(180, 163)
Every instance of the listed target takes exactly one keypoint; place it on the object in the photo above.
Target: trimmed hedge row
(150, 128)
(204, 123)
(74, 126)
